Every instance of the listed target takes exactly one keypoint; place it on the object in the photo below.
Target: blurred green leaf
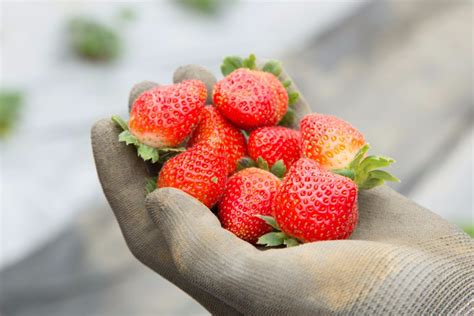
(11, 103)
(93, 40)
(127, 14)
(208, 7)
(468, 229)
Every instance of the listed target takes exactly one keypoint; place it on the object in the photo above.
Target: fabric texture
(401, 258)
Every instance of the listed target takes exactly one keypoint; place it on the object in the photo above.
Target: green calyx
(365, 172)
(278, 168)
(277, 237)
(144, 151)
(150, 184)
(289, 119)
(246, 162)
(232, 63)
(274, 67)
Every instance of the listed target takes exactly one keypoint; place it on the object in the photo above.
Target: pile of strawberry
(271, 185)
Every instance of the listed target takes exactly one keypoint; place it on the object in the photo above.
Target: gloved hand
(401, 259)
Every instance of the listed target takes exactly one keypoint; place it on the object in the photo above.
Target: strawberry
(330, 141)
(280, 93)
(313, 204)
(200, 171)
(163, 117)
(246, 99)
(250, 97)
(336, 145)
(248, 193)
(274, 143)
(232, 139)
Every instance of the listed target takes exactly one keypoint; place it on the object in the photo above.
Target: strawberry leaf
(245, 162)
(277, 237)
(230, 64)
(348, 173)
(150, 185)
(278, 169)
(293, 97)
(148, 153)
(370, 183)
(270, 221)
(286, 83)
(172, 149)
(291, 242)
(250, 62)
(384, 175)
(359, 156)
(272, 239)
(128, 138)
(364, 170)
(145, 151)
(273, 67)
(289, 119)
(262, 164)
(120, 122)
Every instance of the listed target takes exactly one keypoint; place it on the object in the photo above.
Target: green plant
(11, 103)
(93, 40)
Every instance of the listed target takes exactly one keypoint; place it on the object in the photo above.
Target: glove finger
(138, 89)
(198, 244)
(301, 106)
(122, 175)
(239, 274)
(196, 72)
(316, 278)
(385, 215)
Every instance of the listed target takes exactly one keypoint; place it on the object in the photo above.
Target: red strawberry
(164, 116)
(280, 92)
(246, 99)
(275, 143)
(200, 171)
(339, 147)
(314, 204)
(242, 93)
(248, 193)
(233, 140)
(330, 141)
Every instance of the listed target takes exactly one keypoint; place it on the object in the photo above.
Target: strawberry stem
(365, 172)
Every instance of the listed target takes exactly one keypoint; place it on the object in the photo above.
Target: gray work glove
(401, 259)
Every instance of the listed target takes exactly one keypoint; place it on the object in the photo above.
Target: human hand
(401, 258)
